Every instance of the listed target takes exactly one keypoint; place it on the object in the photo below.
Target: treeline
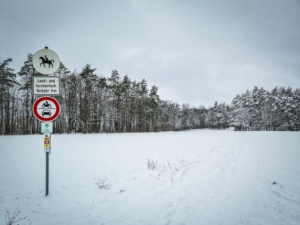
(92, 104)
(264, 110)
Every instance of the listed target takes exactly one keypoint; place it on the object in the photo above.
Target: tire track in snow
(183, 169)
(183, 196)
(225, 179)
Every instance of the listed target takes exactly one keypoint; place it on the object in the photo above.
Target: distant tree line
(92, 104)
(264, 110)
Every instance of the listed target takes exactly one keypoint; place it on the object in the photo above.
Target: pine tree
(296, 108)
(135, 105)
(7, 82)
(87, 114)
(125, 89)
(103, 98)
(202, 115)
(239, 114)
(26, 73)
(114, 85)
(154, 109)
(255, 108)
(143, 103)
(210, 118)
(61, 123)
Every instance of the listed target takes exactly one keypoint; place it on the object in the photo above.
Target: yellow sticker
(47, 142)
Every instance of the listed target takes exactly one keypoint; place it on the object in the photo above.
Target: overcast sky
(195, 52)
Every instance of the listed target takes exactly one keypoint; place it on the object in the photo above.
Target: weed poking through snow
(10, 220)
(151, 164)
(102, 183)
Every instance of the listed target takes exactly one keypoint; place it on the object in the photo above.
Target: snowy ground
(204, 177)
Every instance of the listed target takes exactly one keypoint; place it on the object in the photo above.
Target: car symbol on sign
(46, 112)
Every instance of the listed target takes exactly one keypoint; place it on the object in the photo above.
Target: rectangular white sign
(45, 85)
(46, 127)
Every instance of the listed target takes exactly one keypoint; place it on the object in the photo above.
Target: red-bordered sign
(46, 109)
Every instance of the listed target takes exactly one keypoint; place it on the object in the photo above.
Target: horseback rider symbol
(46, 61)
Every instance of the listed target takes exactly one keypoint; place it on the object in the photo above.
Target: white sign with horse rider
(46, 61)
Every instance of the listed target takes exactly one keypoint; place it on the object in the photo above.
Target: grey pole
(47, 146)
(47, 173)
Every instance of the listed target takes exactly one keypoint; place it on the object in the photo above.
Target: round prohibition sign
(46, 109)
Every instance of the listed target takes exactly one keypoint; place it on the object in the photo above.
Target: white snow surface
(203, 177)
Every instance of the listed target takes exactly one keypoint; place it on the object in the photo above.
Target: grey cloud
(196, 52)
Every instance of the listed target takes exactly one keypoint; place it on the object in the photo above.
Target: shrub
(10, 220)
(102, 183)
(151, 164)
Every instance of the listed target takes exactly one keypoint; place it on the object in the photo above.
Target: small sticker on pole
(47, 143)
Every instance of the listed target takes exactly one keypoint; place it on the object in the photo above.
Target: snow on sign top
(46, 61)
(46, 109)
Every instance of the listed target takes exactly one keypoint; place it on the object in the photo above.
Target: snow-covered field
(202, 177)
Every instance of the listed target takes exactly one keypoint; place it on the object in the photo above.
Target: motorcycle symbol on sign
(46, 105)
(46, 111)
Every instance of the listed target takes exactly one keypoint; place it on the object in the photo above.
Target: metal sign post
(47, 149)
(46, 108)
(47, 174)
